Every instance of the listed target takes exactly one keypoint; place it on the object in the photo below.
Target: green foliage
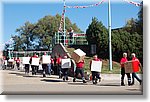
(39, 35)
(97, 34)
(125, 39)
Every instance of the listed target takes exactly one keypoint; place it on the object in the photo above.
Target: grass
(105, 64)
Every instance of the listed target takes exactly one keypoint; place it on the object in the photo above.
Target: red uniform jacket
(123, 60)
(135, 64)
(59, 60)
(80, 64)
(18, 61)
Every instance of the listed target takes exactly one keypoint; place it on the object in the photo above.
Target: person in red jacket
(27, 67)
(79, 69)
(136, 64)
(122, 62)
(59, 66)
(34, 68)
(95, 75)
(44, 66)
(18, 63)
(65, 71)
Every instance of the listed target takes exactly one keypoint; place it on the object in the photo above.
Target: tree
(25, 38)
(124, 41)
(140, 20)
(97, 34)
(39, 35)
(131, 25)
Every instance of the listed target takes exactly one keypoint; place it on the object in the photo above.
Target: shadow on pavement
(19, 74)
(23, 74)
(134, 89)
(109, 84)
(30, 76)
(76, 83)
(49, 80)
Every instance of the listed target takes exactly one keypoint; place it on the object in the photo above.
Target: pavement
(16, 82)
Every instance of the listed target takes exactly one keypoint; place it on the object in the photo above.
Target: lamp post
(109, 27)
(64, 22)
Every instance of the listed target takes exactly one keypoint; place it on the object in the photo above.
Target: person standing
(49, 66)
(122, 62)
(59, 66)
(5, 64)
(71, 35)
(18, 63)
(52, 65)
(27, 67)
(136, 64)
(44, 67)
(34, 68)
(79, 69)
(55, 66)
(65, 71)
(95, 75)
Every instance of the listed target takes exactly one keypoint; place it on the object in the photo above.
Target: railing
(76, 39)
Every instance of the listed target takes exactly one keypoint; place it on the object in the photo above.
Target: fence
(75, 39)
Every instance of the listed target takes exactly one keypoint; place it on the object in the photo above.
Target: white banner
(96, 66)
(46, 59)
(26, 60)
(11, 60)
(66, 63)
(35, 61)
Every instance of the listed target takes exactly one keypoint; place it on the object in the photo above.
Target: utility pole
(64, 23)
(109, 27)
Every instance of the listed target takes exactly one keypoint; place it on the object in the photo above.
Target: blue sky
(16, 13)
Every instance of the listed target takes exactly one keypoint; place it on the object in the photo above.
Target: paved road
(16, 82)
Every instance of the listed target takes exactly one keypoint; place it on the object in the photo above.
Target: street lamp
(64, 22)
(109, 27)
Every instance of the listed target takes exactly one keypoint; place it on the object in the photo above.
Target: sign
(11, 60)
(78, 55)
(26, 60)
(35, 61)
(96, 66)
(46, 59)
(66, 63)
(128, 67)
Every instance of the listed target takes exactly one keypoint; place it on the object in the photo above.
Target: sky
(15, 13)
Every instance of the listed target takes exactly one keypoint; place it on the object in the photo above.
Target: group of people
(55, 66)
(11, 63)
(135, 70)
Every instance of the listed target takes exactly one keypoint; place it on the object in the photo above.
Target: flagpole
(64, 22)
(109, 27)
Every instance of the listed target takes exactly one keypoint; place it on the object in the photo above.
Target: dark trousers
(135, 76)
(5, 66)
(95, 76)
(71, 38)
(49, 69)
(65, 73)
(59, 71)
(34, 69)
(123, 74)
(81, 71)
(27, 68)
(44, 67)
(18, 64)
